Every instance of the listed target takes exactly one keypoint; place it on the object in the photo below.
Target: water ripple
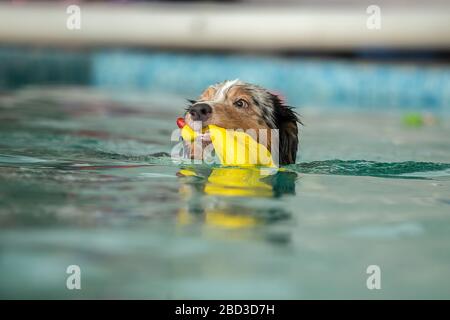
(406, 169)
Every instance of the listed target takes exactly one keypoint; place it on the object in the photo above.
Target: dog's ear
(286, 121)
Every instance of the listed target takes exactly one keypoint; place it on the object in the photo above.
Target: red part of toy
(181, 123)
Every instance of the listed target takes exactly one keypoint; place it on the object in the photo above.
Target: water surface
(85, 179)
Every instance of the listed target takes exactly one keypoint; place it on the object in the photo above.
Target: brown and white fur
(239, 105)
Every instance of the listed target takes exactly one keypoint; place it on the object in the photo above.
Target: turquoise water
(85, 180)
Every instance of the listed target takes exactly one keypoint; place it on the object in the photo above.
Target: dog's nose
(200, 111)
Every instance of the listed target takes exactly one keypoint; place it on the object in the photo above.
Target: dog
(239, 105)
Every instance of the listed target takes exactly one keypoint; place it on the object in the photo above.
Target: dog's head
(238, 105)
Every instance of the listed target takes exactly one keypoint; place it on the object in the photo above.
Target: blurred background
(332, 53)
(89, 94)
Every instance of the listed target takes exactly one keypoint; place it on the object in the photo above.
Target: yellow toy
(233, 148)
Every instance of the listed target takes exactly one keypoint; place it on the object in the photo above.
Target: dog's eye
(240, 103)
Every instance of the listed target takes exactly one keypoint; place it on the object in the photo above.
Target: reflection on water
(86, 180)
(221, 184)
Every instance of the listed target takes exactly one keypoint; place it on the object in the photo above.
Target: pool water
(85, 180)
